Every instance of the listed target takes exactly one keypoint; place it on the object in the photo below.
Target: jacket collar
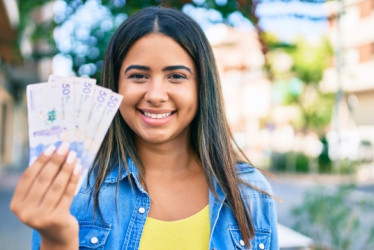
(113, 175)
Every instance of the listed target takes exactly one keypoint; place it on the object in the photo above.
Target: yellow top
(188, 233)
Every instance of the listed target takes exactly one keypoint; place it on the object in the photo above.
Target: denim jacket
(124, 217)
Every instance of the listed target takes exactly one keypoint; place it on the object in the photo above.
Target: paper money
(92, 143)
(66, 92)
(83, 95)
(73, 110)
(99, 102)
(46, 125)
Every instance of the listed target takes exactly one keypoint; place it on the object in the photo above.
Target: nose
(156, 92)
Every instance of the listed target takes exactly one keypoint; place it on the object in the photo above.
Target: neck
(166, 158)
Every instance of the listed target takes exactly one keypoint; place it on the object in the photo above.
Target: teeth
(157, 116)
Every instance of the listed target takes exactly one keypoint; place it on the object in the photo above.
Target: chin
(155, 138)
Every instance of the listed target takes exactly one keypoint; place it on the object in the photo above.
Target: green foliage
(290, 162)
(298, 86)
(310, 60)
(274, 43)
(316, 107)
(40, 34)
(336, 218)
(324, 161)
(225, 9)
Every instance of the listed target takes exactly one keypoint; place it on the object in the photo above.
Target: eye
(138, 77)
(177, 77)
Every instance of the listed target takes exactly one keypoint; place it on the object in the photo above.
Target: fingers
(46, 176)
(45, 191)
(28, 177)
(69, 193)
(59, 184)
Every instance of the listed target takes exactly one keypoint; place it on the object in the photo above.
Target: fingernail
(49, 150)
(63, 148)
(71, 157)
(77, 169)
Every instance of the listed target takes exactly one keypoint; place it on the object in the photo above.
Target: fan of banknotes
(73, 110)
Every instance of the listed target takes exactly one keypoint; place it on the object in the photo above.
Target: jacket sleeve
(35, 240)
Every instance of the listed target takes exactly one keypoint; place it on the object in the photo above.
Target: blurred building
(352, 36)
(8, 55)
(17, 69)
(246, 89)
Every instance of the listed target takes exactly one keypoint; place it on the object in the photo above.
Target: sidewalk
(9, 178)
(291, 189)
(290, 239)
(13, 234)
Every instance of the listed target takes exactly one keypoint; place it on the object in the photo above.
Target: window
(366, 52)
(366, 7)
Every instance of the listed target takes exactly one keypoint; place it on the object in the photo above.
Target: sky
(275, 18)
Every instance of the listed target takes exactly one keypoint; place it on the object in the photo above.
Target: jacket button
(242, 243)
(94, 240)
(261, 246)
(141, 210)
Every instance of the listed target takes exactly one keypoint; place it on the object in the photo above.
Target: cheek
(191, 101)
(195, 98)
(129, 101)
(128, 114)
(127, 106)
(123, 112)
(130, 93)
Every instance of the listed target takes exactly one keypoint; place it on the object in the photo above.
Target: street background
(298, 81)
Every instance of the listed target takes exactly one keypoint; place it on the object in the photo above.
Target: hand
(43, 197)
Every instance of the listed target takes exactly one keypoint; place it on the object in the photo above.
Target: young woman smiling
(167, 175)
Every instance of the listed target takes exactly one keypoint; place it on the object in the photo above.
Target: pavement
(13, 234)
(289, 188)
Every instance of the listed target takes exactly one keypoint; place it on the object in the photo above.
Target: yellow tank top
(188, 233)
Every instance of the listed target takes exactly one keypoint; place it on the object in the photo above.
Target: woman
(167, 175)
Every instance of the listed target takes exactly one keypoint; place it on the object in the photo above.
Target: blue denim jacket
(124, 220)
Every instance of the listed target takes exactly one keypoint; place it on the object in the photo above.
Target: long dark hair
(211, 138)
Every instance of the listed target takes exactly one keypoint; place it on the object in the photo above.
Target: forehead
(157, 48)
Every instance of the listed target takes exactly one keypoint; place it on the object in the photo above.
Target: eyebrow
(168, 68)
(137, 67)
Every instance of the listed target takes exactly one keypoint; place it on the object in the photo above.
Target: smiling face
(158, 81)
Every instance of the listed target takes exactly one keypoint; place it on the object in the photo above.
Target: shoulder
(252, 176)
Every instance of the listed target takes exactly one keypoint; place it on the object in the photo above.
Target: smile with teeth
(157, 116)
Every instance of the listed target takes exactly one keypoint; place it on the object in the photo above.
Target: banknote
(100, 98)
(83, 99)
(73, 110)
(46, 125)
(92, 143)
(66, 91)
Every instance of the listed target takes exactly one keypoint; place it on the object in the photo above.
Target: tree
(307, 63)
(86, 50)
